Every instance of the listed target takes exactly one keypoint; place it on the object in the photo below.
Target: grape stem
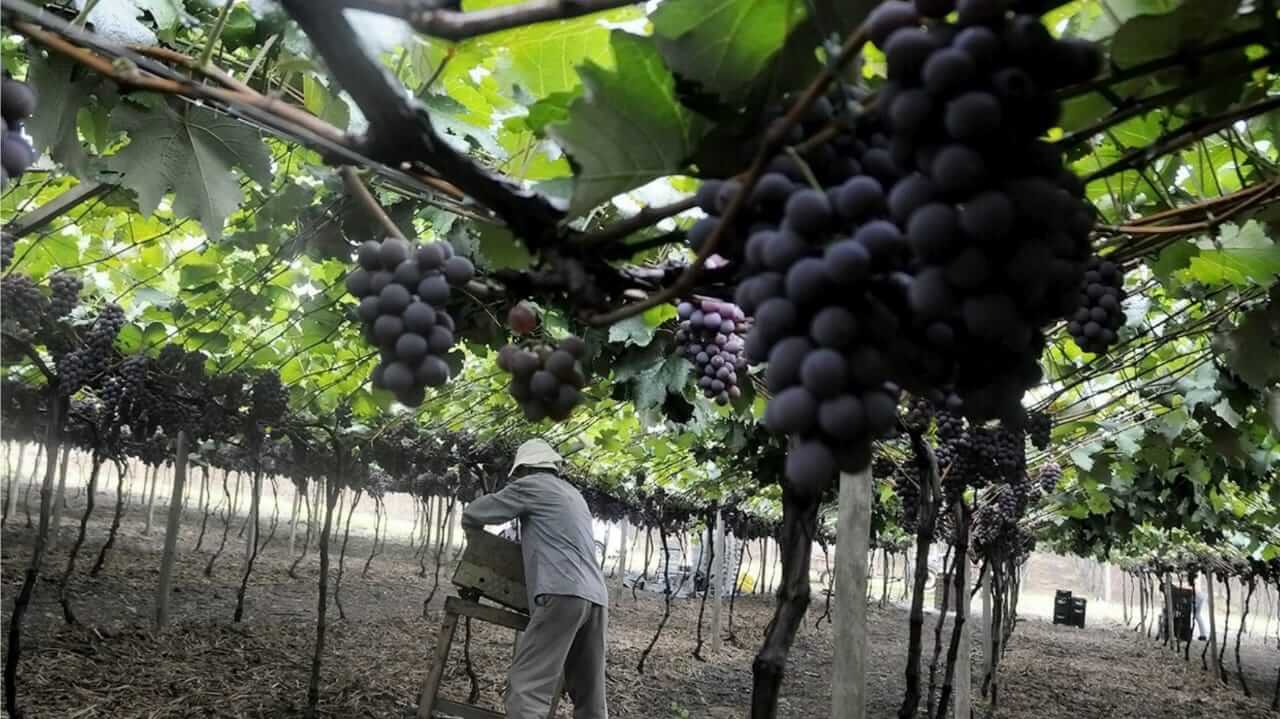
(455, 25)
(773, 141)
(642, 219)
(25, 348)
(362, 195)
(1184, 135)
(206, 55)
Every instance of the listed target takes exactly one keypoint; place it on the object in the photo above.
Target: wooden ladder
(430, 704)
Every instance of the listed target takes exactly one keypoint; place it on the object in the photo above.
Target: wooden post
(1168, 612)
(171, 530)
(964, 683)
(1213, 628)
(716, 582)
(151, 498)
(622, 556)
(293, 518)
(849, 606)
(988, 636)
(59, 496)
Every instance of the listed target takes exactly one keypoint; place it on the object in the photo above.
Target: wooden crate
(494, 567)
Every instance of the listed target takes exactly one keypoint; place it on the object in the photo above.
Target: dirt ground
(377, 658)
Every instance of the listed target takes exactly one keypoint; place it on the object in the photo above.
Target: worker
(568, 602)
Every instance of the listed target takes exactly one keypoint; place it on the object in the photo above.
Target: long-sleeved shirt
(557, 540)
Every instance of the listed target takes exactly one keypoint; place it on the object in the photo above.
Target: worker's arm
(513, 501)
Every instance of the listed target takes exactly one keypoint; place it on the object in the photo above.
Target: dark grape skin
(393, 299)
(981, 43)
(948, 71)
(544, 385)
(833, 327)
(387, 329)
(411, 347)
(860, 198)
(987, 218)
(910, 112)
(906, 51)
(847, 261)
(980, 12)
(431, 256)
(783, 369)
(889, 17)
(358, 282)
(911, 193)
(439, 339)
(842, 418)
(434, 290)
(973, 116)
(930, 295)
(370, 256)
(775, 318)
(931, 232)
(823, 372)
(19, 100)
(958, 170)
(392, 252)
(458, 271)
(792, 411)
(368, 309)
(397, 377)
(810, 469)
(806, 281)
(808, 211)
(419, 317)
(407, 274)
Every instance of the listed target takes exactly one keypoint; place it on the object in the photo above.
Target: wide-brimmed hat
(536, 453)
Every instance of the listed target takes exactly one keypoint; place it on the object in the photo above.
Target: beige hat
(536, 453)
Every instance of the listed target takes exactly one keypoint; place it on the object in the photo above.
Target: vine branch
(455, 25)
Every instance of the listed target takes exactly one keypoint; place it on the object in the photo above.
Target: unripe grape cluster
(546, 381)
(17, 103)
(710, 335)
(403, 290)
(1096, 321)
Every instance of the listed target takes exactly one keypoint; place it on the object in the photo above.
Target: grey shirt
(558, 543)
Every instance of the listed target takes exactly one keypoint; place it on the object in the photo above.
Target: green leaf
(627, 128)
(632, 331)
(1148, 37)
(192, 152)
(53, 126)
(653, 385)
(1224, 410)
(1253, 349)
(324, 104)
(1082, 457)
(723, 45)
(500, 248)
(165, 12)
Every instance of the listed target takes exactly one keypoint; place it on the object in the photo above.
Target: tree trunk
(799, 525)
(204, 505)
(13, 652)
(226, 525)
(122, 474)
(10, 483)
(702, 606)
(666, 594)
(59, 496)
(306, 536)
(342, 555)
(849, 615)
(251, 543)
(31, 482)
(1226, 633)
(377, 524)
(293, 518)
(1239, 631)
(172, 527)
(959, 632)
(256, 489)
(313, 686)
(764, 566)
(64, 592)
(988, 638)
(926, 517)
(621, 567)
(963, 682)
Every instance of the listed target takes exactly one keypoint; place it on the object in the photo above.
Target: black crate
(1062, 607)
(1078, 606)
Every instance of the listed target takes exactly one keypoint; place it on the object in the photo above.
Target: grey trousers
(565, 635)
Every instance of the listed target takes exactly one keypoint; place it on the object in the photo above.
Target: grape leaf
(193, 152)
(53, 125)
(627, 128)
(652, 385)
(633, 331)
(1253, 349)
(724, 45)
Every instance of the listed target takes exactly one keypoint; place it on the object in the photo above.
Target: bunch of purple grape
(710, 336)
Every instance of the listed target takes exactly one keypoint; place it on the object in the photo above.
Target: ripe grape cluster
(17, 103)
(1039, 427)
(64, 294)
(1096, 321)
(23, 302)
(1050, 474)
(124, 385)
(7, 242)
(942, 236)
(80, 366)
(403, 290)
(919, 415)
(546, 381)
(710, 336)
(268, 400)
